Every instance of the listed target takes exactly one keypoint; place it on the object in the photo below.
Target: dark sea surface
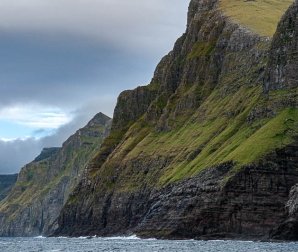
(133, 244)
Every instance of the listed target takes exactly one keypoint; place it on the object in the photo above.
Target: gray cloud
(64, 71)
(119, 23)
(60, 52)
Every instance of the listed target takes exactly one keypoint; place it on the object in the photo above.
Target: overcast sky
(63, 61)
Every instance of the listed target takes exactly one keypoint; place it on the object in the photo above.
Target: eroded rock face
(202, 207)
(287, 228)
(282, 67)
(243, 208)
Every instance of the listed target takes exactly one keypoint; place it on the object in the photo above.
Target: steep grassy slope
(43, 185)
(207, 153)
(261, 16)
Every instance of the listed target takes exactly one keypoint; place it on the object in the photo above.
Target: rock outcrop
(32, 207)
(6, 184)
(282, 67)
(210, 153)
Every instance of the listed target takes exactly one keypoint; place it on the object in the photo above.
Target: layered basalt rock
(248, 206)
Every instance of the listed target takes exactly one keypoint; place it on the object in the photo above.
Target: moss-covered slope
(208, 154)
(32, 207)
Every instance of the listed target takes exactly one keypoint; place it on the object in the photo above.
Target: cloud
(122, 23)
(35, 116)
(59, 52)
(15, 154)
(64, 72)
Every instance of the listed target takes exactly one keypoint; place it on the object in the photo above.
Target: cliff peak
(99, 118)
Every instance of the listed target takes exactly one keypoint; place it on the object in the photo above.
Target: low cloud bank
(16, 153)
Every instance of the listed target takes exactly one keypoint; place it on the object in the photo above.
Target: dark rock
(282, 67)
(247, 206)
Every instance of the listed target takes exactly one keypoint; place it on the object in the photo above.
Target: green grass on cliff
(261, 16)
(226, 135)
(205, 124)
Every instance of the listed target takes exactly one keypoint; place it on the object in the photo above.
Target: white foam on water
(40, 237)
(132, 237)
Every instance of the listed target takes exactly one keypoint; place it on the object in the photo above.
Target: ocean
(134, 244)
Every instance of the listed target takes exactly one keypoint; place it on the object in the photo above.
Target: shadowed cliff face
(32, 207)
(206, 155)
(282, 68)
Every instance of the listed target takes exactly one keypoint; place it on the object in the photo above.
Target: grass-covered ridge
(261, 16)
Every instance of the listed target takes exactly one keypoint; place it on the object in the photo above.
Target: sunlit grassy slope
(261, 16)
(219, 139)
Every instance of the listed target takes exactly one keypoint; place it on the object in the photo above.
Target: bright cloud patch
(35, 117)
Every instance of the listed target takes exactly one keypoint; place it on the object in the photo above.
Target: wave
(132, 237)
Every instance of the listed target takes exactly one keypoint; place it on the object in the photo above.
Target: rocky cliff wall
(207, 155)
(32, 208)
(248, 206)
(281, 71)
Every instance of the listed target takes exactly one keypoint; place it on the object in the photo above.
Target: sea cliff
(209, 148)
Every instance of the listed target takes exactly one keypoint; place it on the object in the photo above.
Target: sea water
(133, 244)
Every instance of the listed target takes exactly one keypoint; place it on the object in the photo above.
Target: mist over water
(133, 244)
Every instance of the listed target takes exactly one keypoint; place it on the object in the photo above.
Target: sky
(63, 61)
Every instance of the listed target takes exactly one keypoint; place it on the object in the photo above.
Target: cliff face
(210, 150)
(282, 65)
(32, 207)
(6, 183)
